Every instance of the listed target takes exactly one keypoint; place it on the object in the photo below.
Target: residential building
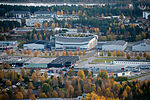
(11, 19)
(19, 14)
(143, 45)
(114, 45)
(30, 29)
(44, 14)
(31, 21)
(75, 41)
(146, 14)
(8, 45)
(67, 17)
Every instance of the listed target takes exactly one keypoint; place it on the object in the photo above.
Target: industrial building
(37, 62)
(132, 62)
(38, 45)
(8, 45)
(143, 45)
(75, 41)
(114, 45)
(63, 61)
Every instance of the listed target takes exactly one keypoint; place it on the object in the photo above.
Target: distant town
(75, 52)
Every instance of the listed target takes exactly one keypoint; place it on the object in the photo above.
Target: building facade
(37, 45)
(75, 42)
(44, 14)
(19, 14)
(31, 21)
(4, 45)
(141, 46)
(114, 45)
(67, 17)
(131, 62)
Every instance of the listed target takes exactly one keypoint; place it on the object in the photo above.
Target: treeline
(68, 86)
(6, 26)
(74, 1)
(91, 11)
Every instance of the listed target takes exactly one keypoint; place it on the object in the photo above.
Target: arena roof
(61, 38)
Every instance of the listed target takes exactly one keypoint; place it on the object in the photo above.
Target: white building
(8, 45)
(44, 14)
(127, 62)
(146, 14)
(37, 45)
(84, 41)
(34, 46)
(122, 73)
(115, 45)
(67, 17)
(141, 46)
(31, 21)
(11, 19)
(20, 14)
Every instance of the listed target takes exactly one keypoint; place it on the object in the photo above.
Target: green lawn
(84, 59)
(102, 60)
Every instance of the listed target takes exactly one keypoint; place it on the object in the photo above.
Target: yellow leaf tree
(75, 53)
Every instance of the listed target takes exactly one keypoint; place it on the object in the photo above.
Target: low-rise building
(44, 14)
(30, 29)
(31, 21)
(143, 45)
(8, 45)
(114, 45)
(67, 17)
(63, 61)
(122, 73)
(11, 19)
(37, 63)
(19, 14)
(37, 45)
(132, 62)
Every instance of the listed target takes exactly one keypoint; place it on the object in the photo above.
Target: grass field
(84, 59)
(102, 60)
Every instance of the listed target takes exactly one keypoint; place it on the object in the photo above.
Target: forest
(70, 85)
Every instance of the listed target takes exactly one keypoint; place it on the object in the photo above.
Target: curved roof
(59, 38)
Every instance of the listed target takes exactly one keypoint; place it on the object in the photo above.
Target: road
(147, 77)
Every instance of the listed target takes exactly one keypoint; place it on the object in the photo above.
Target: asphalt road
(147, 77)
